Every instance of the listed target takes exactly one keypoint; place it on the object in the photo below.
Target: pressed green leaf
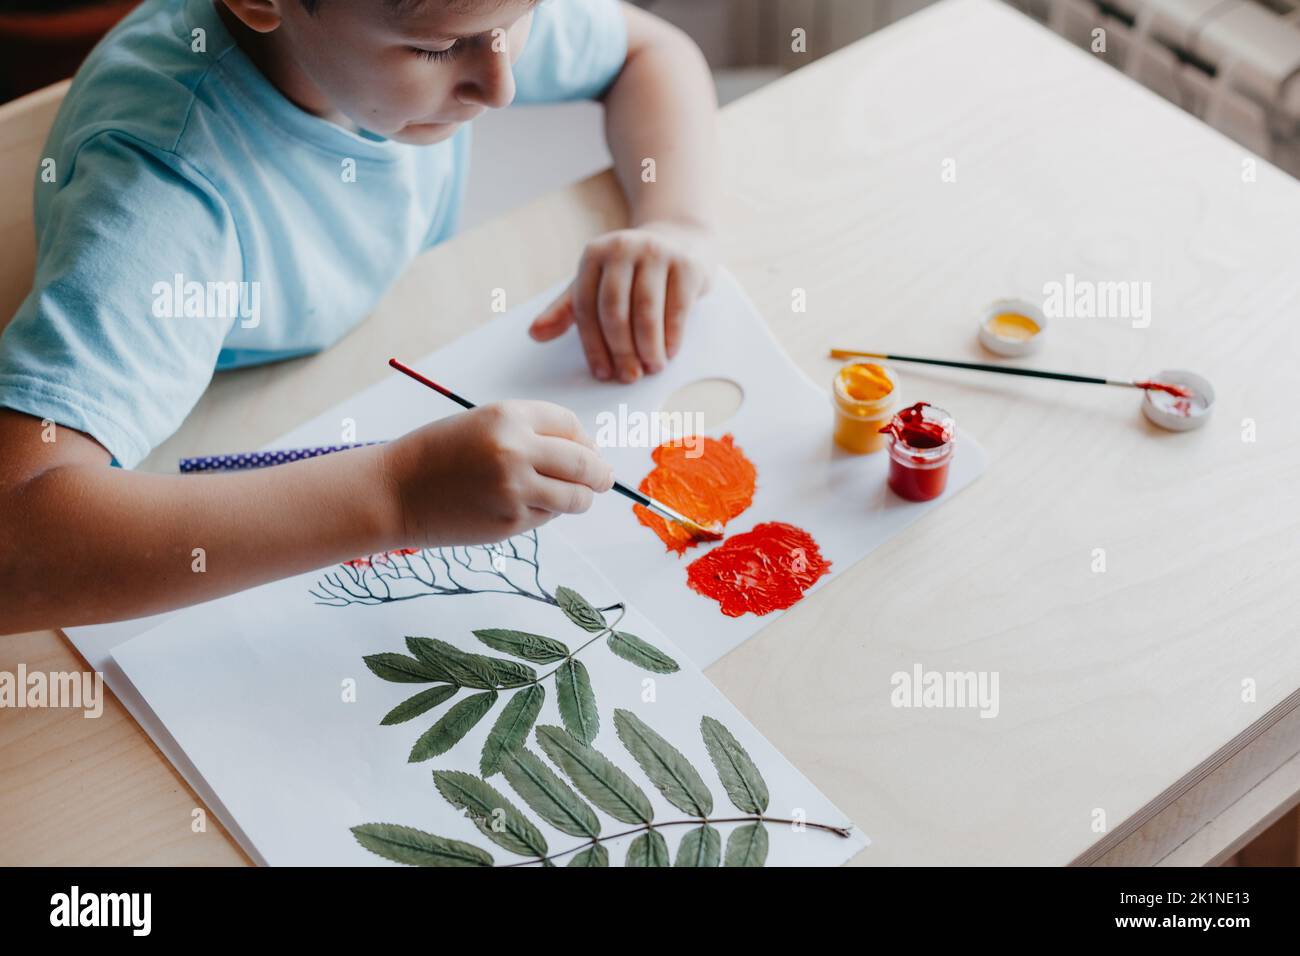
(643, 655)
(665, 765)
(595, 776)
(577, 700)
(417, 848)
(401, 669)
(417, 705)
(509, 674)
(649, 849)
(468, 670)
(510, 732)
(427, 650)
(531, 647)
(592, 856)
(700, 847)
(453, 725)
(496, 817)
(747, 845)
(575, 606)
(549, 797)
(744, 784)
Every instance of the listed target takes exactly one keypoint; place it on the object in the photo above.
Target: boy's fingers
(613, 300)
(568, 461)
(540, 516)
(547, 418)
(648, 294)
(586, 313)
(555, 319)
(560, 497)
(677, 303)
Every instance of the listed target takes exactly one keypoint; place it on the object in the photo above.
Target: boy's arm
(662, 107)
(81, 542)
(635, 286)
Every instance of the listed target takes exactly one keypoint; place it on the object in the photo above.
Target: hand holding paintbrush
(710, 533)
(493, 473)
(549, 480)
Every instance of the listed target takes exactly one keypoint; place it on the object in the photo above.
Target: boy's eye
(446, 54)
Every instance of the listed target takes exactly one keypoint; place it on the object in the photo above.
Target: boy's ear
(260, 15)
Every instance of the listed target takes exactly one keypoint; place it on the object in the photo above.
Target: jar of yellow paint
(865, 395)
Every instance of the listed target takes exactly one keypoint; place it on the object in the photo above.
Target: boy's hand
(492, 472)
(631, 297)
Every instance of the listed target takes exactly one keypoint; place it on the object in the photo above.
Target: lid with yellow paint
(1012, 327)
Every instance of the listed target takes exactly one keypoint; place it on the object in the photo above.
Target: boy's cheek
(385, 108)
(519, 37)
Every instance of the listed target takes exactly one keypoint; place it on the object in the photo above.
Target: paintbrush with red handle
(658, 507)
(1182, 391)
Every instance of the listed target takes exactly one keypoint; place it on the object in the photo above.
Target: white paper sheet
(841, 499)
(252, 687)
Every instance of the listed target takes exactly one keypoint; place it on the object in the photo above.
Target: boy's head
(411, 70)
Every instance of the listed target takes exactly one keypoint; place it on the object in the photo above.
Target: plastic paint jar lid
(1012, 327)
(1175, 413)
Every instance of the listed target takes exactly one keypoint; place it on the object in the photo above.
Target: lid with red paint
(1179, 413)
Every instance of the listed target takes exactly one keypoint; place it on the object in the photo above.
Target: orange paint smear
(714, 486)
(764, 570)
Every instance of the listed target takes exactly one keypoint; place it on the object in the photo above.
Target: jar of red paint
(922, 438)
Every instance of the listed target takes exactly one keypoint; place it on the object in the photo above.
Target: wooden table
(1121, 691)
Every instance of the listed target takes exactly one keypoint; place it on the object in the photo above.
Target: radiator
(1233, 63)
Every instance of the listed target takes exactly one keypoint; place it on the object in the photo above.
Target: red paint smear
(710, 488)
(910, 427)
(764, 570)
(378, 558)
(1181, 391)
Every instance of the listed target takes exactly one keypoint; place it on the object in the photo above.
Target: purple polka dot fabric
(241, 461)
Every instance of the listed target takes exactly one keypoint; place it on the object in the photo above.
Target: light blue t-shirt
(198, 220)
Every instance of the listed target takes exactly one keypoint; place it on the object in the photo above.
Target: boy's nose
(491, 82)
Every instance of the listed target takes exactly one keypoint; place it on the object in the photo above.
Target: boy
(306, 150)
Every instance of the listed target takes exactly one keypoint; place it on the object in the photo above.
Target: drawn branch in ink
(594, 780)
(451, 670)
(509, 567)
